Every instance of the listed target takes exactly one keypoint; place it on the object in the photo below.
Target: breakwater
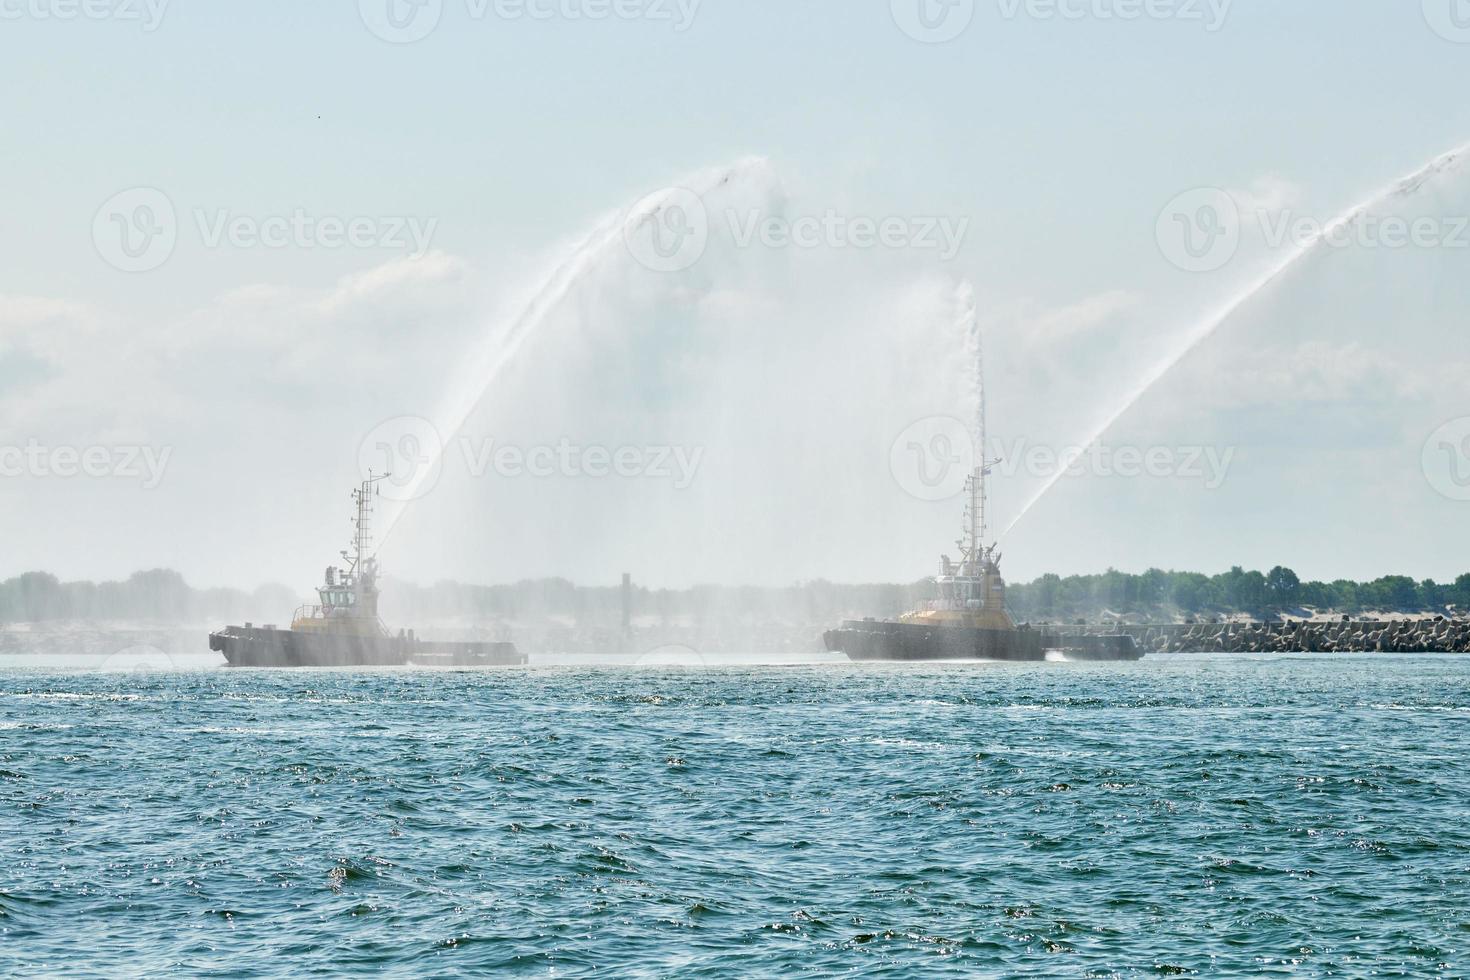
(1437, 635)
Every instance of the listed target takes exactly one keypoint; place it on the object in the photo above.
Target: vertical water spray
(969, 326)
(1206, 326)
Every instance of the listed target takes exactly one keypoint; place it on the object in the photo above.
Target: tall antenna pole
(363, 538)
(979, 501)
(979, 482)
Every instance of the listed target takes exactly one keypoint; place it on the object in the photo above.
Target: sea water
(1204, 815)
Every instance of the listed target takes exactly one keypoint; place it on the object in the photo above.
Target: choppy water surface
(1210, 815)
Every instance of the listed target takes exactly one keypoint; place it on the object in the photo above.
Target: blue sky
(1059, 139)
(1062, 134)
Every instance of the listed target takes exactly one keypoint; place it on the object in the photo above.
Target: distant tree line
(1157, 593)
(808, 603)
(155, 596)
(164, 596)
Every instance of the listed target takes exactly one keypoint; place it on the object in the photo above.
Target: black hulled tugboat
(343, 629)
(968, 619)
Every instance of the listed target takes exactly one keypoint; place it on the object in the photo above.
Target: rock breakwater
(1437, 635)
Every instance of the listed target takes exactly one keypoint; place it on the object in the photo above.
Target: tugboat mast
(982, 445)
(975, 553)
(362, 538)
(967, 618)
(343, 628)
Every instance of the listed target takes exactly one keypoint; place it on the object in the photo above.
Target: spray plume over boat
(967, 619)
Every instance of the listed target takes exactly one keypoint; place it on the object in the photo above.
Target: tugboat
(968, 620)
(344, 630)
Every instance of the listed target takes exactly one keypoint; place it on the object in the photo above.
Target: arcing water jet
(1206, 327)
(501, 346)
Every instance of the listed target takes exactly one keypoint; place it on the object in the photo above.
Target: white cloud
(1269, 194)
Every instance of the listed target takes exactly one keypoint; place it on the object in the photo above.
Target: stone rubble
(1437, 635)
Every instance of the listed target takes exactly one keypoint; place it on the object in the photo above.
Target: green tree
(1460, 592)
(1317, 595)
(1192, 592)
(1396, 592)
(1283, 586)
(1047, 593)
(1153, 588)
(1345, 596)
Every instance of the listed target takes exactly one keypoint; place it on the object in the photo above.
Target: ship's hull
(1095, 646)
(877, 640)
(246, 646)
(884, 640)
